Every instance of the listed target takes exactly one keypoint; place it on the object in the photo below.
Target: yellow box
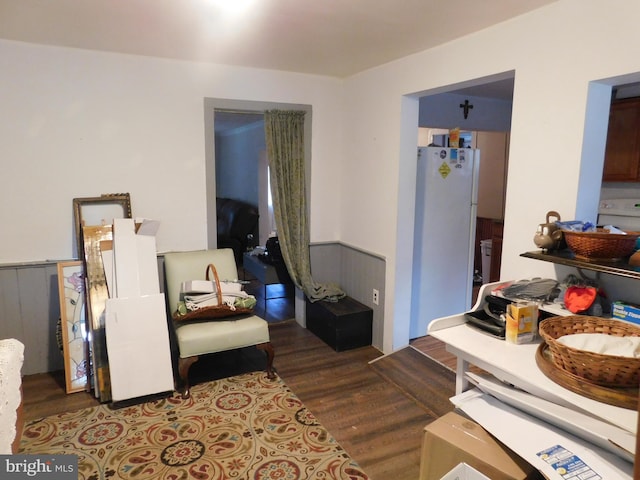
(522, 322)
(454, 138)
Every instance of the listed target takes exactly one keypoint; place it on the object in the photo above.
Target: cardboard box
(453, 439)
(464, 472)
(626, 311)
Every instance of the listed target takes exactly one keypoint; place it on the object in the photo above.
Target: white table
(516, 365)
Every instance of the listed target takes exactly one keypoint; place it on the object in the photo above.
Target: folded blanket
(231, 294)
(603, 344)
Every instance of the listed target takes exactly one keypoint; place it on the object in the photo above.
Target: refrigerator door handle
(476, 175)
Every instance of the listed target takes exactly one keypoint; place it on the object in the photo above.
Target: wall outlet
(376, 296)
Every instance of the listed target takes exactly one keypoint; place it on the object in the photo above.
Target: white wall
(443, 111)
(79, 124)
(555, 52)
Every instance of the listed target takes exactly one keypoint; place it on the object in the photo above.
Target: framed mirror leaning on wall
(96, 211)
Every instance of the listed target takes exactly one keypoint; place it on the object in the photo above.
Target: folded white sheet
(603, 344)
(230, 292)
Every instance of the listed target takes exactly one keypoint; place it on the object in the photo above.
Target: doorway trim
(212, 104)
(409, 123)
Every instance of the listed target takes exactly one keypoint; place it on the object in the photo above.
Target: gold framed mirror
(96, 211)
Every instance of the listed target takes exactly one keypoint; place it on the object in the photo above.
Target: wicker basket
(606, 370)
(601, 244)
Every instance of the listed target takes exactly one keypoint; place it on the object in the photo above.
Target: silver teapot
(548, 236)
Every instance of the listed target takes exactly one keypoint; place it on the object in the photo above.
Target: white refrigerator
(444, 235)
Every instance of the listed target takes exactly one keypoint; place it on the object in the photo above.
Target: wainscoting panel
(357, 272)
(29, 312)
(30, 308)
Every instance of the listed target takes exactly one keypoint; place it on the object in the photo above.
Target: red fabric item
(579, 299)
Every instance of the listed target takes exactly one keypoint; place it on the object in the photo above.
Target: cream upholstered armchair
(195, 338)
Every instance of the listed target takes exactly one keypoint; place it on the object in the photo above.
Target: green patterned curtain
(284, 132)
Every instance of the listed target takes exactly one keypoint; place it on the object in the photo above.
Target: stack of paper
(549, 436)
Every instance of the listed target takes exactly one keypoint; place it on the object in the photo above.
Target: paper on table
(551, 450)
(602, 434)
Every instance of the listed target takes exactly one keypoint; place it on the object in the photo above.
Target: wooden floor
(376, 423)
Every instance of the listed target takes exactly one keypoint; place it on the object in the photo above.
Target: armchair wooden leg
(184, 364)
(268, 349)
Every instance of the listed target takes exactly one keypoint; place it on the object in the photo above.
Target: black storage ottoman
(343, 325)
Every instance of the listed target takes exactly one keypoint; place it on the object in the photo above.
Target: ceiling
(326, 37)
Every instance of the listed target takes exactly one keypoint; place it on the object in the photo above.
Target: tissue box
(626, 311)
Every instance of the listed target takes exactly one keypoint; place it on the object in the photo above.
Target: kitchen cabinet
(489, 229)
(492, 179)
(622, 154)
(496, 251)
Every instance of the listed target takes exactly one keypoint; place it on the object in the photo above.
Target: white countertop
(516, 364)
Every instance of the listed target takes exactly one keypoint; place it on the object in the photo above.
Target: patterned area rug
(243, 427)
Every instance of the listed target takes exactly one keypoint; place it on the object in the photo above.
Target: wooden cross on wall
(467, 106)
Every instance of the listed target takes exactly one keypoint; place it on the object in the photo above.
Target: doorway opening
(242, 167)
(492, 183)
(252, 179)
(484, 126)
(245, 176)
(621, 171)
